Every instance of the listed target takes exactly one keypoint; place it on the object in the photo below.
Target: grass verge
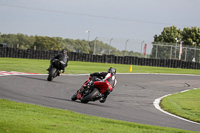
(27, 118)
(185, 104)
(77, 67)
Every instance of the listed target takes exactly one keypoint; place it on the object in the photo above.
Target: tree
(24, 41)
(10, 39)
(168, 35)
(58, 43)
(46, 43)
(191, 36)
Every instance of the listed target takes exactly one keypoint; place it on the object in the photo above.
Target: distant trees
(57, 43)
(191, 36)
(47, 43)
(170, 34)
(20, 40)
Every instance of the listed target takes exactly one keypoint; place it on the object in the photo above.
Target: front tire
(51, 74)
(91, 96)
(74, 97)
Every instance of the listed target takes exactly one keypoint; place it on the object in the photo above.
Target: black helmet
(64, 51)
(112, 70)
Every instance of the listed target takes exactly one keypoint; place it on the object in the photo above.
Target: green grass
(77, 67)
(186, 104)
(24, 65)
(26, 118)
(19, 117)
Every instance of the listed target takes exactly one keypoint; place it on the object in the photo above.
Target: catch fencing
(74, 56)
(148, 49)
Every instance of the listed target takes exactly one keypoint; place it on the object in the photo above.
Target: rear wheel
(91, 96)
(51, 74)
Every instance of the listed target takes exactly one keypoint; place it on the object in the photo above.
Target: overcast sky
(127, 19)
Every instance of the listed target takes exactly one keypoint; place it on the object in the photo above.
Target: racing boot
(63, 71)
(103, 98)
(58, 73)
(50, 66)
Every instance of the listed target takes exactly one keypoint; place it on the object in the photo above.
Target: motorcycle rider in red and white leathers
(110, 78)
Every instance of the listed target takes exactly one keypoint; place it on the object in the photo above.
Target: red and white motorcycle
(91, 90)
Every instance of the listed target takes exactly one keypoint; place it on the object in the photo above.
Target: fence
(173, 52)
(155, 51)
(121, 47)
(73, 56)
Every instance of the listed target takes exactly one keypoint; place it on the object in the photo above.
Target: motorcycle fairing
(101, 85)
(79, 91)
(79, 95)
(109, 85)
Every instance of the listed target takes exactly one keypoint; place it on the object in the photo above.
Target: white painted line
(184, 91)
(156, 104)
(6, 73)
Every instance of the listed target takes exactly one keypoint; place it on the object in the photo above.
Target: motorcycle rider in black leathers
(110, 78)
(62, 56)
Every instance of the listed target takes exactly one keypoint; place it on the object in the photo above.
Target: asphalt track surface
(132, 99)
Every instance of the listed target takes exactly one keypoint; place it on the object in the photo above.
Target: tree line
(170, 36)
(23, 41)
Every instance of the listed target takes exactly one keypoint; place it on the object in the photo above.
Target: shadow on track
(69, 100)
(41, 79)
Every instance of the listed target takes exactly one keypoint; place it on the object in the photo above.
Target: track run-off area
(133, 99)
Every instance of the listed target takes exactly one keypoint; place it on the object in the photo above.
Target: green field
(186, 104)
(77, 67)
(26, 118)
(20, 117)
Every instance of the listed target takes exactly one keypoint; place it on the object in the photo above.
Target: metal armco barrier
(130, 60)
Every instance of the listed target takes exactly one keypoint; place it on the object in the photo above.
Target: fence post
(156, 51)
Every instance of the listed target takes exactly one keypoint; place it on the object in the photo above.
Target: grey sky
(127, 19)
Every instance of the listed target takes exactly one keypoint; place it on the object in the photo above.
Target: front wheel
(74, 97)
(51, 74)
(90, 97)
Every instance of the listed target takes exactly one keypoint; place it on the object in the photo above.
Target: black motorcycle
(55, 69)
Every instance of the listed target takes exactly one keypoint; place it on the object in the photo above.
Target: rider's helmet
(64, 51)
(112, 71)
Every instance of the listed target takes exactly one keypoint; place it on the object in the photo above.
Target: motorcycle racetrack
(132, 99)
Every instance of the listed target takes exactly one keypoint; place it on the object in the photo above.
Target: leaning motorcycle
(91, 90)
(55, 69)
